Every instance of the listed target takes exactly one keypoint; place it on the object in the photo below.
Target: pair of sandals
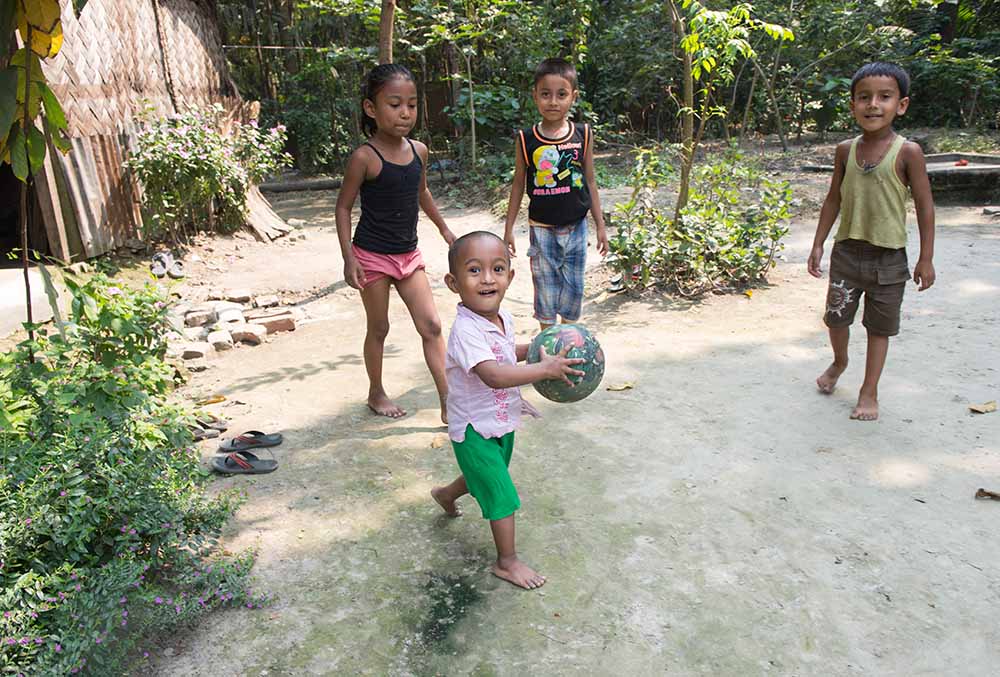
(163, 263)
(237, 459)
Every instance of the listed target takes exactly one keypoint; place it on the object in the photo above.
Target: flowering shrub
(193, 175)
(104, 523)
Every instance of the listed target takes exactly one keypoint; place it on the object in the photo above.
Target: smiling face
(554, 95)
(876, 102)
(481, 274)
(395, 107)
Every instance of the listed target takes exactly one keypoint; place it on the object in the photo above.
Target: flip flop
(161, 262)
(210, 422)
(204, 433)
(175, 270)
(251, 439)
(243, 463)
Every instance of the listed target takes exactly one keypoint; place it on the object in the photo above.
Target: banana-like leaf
(53, 295)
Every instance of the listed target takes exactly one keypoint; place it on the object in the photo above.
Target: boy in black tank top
(554, 161)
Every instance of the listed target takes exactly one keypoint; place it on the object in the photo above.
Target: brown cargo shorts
(881, 274)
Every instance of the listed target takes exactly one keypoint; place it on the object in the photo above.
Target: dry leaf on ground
(984, 408)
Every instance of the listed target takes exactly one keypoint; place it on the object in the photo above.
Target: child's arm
(831, 208)
(595, 198)
(497, 375)
(427, 200)
(915, 168)
(354, 175)
(516, 195)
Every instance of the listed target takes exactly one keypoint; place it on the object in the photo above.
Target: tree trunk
(950, 10)
(26, 121)
(774, 108)
(385, 31)
(472, 107)
(687, 117)
(746, 111)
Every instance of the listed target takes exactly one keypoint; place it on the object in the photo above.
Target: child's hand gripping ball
(582, 344)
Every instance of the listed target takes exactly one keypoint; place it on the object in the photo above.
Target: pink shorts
(396, 266)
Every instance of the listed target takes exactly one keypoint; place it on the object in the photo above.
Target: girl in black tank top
(388, 173)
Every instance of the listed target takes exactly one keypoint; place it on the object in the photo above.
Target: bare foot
(517, 572)
(383, 406)
(827, 381)
(866, 409)
(448, 506)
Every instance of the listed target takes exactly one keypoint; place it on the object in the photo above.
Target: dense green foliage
(630, 73)
(725, 239)
(193, 174)
(104, 522)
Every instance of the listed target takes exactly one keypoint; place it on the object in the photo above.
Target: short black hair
(560, 67)
(455, 250)
(882, 68)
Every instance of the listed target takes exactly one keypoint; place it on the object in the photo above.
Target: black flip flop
(243, 463)
(251, 439)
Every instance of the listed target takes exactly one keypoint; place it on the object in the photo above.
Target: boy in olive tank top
(871, 178)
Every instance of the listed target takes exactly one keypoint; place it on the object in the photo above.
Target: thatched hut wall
(119, 59)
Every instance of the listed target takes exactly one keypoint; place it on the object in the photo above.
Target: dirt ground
(720, 518)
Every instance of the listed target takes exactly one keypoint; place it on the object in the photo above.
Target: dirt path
(721, 518)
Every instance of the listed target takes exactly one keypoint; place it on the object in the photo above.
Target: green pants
(484, 462)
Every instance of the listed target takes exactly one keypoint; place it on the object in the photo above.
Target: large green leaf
(8, 97)
(36, 148)
(18, 156)
(53, 110)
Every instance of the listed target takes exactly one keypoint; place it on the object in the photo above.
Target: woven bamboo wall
(120, 58)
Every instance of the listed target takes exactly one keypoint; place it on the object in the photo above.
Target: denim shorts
(558, 259)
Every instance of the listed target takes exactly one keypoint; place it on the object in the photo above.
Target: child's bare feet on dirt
(513, 570)
(383, 406)
(866, 409)
(827, 381)
(448, 506)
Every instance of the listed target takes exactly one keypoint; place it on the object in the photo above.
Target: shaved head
(457, 250)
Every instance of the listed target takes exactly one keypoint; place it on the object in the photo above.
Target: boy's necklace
(869, 167)
(559, 133)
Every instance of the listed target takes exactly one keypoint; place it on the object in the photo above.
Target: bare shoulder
(363, 154)
(421, 148)
(911, 150)
(841, 154)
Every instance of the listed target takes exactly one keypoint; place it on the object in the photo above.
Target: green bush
(726, 238)
(191, 174)
(104, 522)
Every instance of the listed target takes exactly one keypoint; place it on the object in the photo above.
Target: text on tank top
(555, 182)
